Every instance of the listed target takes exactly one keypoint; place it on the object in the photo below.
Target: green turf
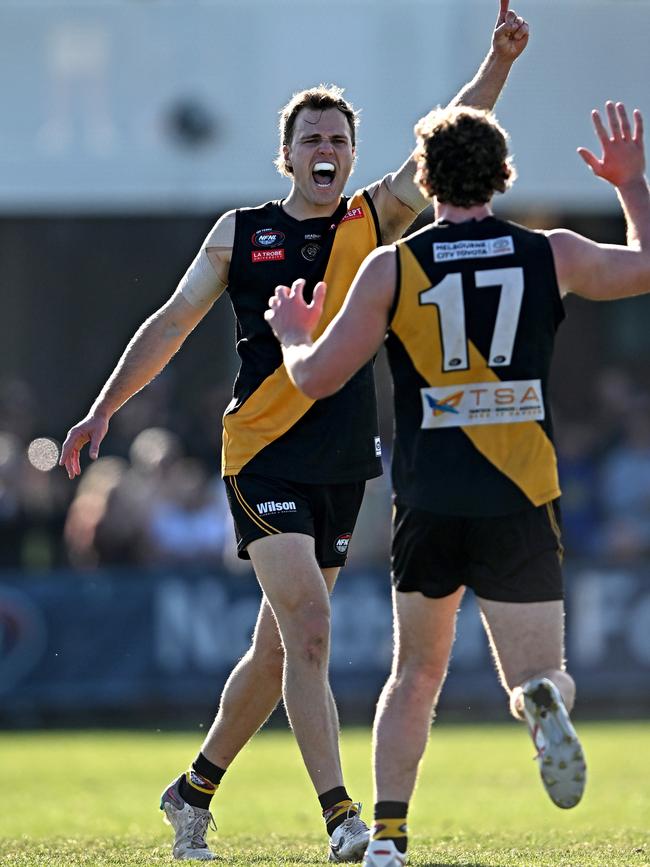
(91, 799)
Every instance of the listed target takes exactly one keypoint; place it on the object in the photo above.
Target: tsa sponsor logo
(443, 252)
(272, 507)
(482, 403)
(267, 255)
(267, 238)
(342, 543)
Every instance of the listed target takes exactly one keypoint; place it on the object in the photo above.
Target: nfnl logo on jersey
(444, 252)
(482, 403)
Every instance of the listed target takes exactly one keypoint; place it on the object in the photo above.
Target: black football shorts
(264, 506)
(511, 558)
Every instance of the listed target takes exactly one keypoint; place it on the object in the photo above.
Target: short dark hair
(319, 99)
(462, 156)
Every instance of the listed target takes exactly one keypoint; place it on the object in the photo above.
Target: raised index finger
(503, 8)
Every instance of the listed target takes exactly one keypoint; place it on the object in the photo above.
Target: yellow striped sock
(199, 782)
(338, 810)
(389, 829)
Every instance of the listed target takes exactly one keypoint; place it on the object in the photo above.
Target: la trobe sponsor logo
(267, 256)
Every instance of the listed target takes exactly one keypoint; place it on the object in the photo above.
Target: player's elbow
(313, 383)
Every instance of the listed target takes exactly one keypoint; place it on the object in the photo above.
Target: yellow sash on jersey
(276, 405)
(521, 451)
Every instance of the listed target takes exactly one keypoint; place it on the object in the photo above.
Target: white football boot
(559, 753)
(348, 842)
(190, 825)
(383, 853)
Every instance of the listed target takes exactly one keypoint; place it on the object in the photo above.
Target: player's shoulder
(381, 264)
(222, 234)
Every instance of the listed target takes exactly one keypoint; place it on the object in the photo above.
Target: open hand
(290, 317)
(91, 430)
(623, 158)
(510, 36)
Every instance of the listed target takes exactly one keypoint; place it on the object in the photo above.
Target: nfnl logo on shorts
(341, 544)
(271, 507)
(482, 403)
(353, 214)
(443, 252)
(267, 255)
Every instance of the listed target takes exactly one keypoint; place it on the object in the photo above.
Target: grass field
(86, 798)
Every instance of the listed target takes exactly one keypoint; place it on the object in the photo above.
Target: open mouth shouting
(324, 174)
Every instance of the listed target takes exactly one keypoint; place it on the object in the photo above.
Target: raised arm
(350, 340)
(396, 198)
(509, 39)
(156, 341)
(604, 272)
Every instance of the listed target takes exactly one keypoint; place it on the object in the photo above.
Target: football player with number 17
(469, 307)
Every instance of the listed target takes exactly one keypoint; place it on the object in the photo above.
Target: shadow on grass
(457, 864)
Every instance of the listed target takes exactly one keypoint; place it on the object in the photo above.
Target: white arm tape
(404, 188)
(201, 284)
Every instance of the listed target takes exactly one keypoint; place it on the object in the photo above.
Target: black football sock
(200, 782)
(390, 823)
(336, 805)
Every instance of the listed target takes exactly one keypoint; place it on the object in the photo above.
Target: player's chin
(326, 194)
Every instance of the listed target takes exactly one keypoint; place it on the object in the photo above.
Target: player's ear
(286, 151)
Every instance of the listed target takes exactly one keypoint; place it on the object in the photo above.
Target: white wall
(85, 89)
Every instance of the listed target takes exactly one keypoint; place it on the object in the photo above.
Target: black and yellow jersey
(470, 341)
(271, 428)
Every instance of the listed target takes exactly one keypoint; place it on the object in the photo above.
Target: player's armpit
(398, 201)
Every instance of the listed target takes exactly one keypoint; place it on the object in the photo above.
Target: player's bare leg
(253, 688)
(424, 633)
(286, 568)
(249, 697)
(527, 641)
(296, 590)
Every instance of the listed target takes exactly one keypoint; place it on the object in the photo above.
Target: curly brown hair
(318, 98)
(462, 156)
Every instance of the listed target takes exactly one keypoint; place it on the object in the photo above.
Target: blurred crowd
(155, 499)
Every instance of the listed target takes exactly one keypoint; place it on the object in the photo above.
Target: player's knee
(420, 678)
(309, 632)
(269, 656)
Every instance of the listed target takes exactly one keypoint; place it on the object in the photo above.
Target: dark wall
(75, 289)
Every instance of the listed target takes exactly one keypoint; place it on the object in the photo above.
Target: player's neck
(300, 208)
(454, 214)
